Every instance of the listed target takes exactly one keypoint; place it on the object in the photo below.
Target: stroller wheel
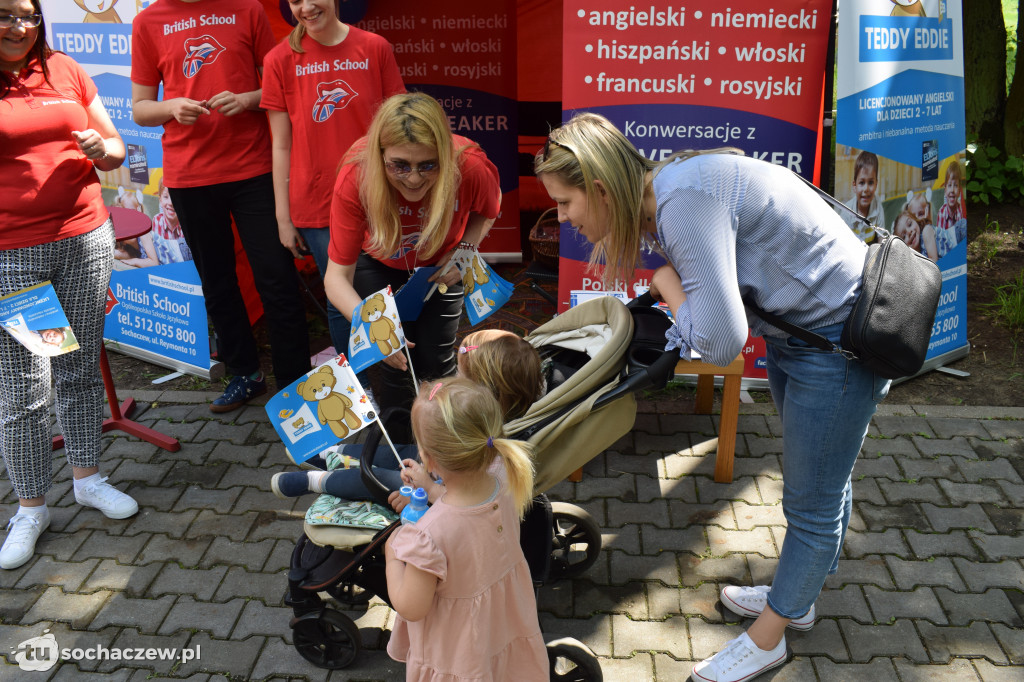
(576, 543)
(327, 639)
(572, 661)
(350, 594)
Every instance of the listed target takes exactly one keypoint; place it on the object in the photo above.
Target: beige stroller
(602, 353)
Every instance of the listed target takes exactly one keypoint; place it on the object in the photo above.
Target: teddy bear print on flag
(320, 409)
(376, 330)
(485, 291)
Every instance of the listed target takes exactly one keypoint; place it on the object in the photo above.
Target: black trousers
(205, 214)
(433, 333)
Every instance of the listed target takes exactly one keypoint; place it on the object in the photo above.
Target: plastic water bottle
(417, 508)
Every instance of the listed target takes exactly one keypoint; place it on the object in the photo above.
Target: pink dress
(482, 626)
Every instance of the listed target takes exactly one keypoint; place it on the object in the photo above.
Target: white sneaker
(112, 502)
(740, 660)
(22, 532)
(750, 602)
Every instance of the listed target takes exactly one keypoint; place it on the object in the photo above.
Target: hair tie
(465, 349)
(433, 391)
(490, 442)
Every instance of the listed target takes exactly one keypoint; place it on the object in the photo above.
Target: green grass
(1008, 306)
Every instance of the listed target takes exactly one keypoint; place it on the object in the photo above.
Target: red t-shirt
(330, 94)
(479, 192)
(198, 50)
(50, 190)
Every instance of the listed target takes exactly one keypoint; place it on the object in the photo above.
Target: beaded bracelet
(467, 245)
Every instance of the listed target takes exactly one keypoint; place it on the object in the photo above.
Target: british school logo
(199, 52)
(330, 98)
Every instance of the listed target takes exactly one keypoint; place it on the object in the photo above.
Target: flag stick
(415, 383)
(401, 464)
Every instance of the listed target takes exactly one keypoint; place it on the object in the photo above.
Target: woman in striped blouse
(735, 228)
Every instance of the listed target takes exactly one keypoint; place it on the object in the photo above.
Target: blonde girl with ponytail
(457, 577)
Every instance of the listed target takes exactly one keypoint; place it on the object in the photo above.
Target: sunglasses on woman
(402, 169)
(31, 21)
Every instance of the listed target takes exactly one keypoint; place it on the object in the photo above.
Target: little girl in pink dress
(457, 578)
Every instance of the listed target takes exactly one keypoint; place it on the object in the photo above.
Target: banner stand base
(212, 373)
(938, 361)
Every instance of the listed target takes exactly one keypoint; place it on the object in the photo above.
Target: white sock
(41, 510)
(80, 483)
(316, 480)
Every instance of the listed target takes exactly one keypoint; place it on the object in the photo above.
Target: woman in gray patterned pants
(54, 227)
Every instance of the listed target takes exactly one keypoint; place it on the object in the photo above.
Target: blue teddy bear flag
(485, 290)
(322, 408)
(376, 330)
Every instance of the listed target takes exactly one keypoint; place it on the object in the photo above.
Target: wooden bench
(732, 375)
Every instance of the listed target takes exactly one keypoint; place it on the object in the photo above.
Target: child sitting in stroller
(499, 360)
(458, 577)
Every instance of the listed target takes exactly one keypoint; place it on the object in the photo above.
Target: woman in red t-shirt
(54, 134)
(409, 194)
(321, 87)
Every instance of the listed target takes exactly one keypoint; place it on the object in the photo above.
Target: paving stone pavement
(931, 586)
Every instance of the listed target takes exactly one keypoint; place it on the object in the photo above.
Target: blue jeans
(348, 483)
(826, 403)
(317, 239)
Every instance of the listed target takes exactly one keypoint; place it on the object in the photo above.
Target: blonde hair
(407, 118)
(588, 148)
(507, 365)
(909, 214)
(913, 196)
(458, 423)
(295, 38)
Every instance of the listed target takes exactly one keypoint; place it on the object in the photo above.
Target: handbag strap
(816, 340)
(882, 232)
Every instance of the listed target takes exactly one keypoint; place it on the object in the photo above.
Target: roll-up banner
(155, 306)
(695, 76)
(900, 139)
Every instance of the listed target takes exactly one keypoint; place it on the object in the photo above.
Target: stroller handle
(644, 300)
(655, 375)
(378, 490)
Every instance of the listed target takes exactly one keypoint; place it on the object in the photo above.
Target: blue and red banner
(698, 76)
(464, 55)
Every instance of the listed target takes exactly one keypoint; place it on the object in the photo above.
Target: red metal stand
(120, 413)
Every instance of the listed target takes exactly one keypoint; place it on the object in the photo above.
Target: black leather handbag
(891, 322)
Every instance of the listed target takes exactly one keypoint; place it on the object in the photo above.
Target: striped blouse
(734, 227)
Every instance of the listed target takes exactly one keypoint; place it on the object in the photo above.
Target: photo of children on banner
(35, 319)
(321, 409)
